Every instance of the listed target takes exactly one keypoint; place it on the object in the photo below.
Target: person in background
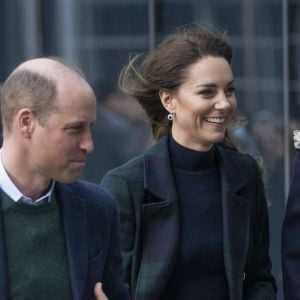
(1, 138)
(290, 247)
(119, 133)
(59, 237)
(193, 211)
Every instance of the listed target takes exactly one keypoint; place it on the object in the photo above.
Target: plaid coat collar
(161, 222)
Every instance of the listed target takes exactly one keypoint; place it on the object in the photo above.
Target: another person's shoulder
(92, 195)
(131, 170)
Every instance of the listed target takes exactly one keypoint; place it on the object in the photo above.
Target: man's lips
(79, 161)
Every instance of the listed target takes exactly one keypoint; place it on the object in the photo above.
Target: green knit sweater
(36, 252)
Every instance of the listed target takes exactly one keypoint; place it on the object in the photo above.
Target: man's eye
(74, 128)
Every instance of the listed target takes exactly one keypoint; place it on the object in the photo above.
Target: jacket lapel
(235, 222)
(160, 223)
(74, 221)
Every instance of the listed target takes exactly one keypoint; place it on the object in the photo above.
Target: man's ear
(167, 100)
(26, 121)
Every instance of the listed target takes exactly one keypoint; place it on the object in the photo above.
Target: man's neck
(30, 184)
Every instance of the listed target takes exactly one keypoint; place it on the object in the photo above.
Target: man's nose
(87, 142)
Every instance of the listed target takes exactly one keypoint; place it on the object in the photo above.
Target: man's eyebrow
(75, 123)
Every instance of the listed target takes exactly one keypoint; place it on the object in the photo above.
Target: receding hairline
(52, 68)
(44, 77)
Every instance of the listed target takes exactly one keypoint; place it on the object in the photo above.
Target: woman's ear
(167, 100)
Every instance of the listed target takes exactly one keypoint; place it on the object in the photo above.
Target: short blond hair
(27, 87)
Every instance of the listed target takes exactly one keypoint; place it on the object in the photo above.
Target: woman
(194, 221)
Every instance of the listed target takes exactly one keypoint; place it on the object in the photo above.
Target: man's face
(60, 148)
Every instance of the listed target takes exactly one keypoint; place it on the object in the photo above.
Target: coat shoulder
(244, 162)
(93, 196)
(133, 170)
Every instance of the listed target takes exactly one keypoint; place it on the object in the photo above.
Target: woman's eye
(206, 93)
(230, 90)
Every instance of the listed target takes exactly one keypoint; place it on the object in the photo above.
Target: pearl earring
(170, 117)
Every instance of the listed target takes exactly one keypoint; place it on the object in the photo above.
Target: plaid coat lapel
(236, 222)
(160, 223)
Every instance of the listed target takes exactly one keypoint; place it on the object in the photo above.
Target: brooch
(297, 139)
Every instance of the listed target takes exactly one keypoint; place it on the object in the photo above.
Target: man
(291, 233)
(58, 237)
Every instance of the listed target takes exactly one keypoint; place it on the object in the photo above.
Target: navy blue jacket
(291, 238)
(90, 220)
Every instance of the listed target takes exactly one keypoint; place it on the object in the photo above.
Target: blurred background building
(99, 35)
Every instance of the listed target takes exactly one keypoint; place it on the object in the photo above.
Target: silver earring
(170, 117)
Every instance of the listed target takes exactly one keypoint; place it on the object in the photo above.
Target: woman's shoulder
(236, 154)
(241, 160)
(134, 168)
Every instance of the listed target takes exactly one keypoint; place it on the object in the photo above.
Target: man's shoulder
(86, 188)
(92, 195)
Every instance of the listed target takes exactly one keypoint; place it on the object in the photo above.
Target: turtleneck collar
(186, 159)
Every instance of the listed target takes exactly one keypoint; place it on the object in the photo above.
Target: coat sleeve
(290, 248)
(259, 284)
(118, 187)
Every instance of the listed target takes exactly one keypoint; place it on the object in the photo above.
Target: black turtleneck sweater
(199, 271)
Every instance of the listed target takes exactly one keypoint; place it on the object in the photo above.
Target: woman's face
(204, 104)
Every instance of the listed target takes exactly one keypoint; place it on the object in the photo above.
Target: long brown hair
(165, 69)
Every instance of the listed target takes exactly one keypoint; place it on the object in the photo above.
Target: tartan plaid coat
(145, 190)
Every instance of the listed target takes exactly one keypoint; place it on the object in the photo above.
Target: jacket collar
(160, 223)
(74, 222)
(159, 178)
(234, 177)
(236, 221)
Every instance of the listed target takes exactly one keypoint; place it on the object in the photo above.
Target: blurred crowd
(120, 133)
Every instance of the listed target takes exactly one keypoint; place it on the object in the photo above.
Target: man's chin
(68, 178)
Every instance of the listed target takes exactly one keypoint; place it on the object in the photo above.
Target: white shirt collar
(13, 192)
